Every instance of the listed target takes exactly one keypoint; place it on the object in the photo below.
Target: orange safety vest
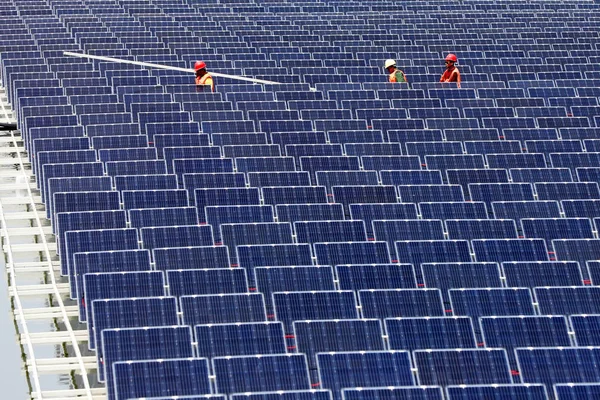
(206, 79)
(394, 78)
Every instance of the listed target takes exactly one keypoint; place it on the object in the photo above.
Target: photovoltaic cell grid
(390, 393)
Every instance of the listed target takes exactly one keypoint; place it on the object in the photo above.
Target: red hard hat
(451, 57)
(199, 65)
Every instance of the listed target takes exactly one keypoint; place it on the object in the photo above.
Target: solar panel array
(334, 236)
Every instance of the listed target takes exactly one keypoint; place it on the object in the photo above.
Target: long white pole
(160, 66)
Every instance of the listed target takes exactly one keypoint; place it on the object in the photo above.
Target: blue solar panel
(353, 252)
(136, 167)
(191, 257)
(364, 194)
(394, 393)
(330, 231)
(106, 261)
(471, 367)
(481, 229)
(526, 209)
(314, 337)
(558, 365)
(225, 197)
(173, 153)
(416, 252)
(135, 153)
(501, 250)
(379, 163)
(490, 192)
(234, 235)
(287, 395)
(410, 177)
(407, 229)
(446, 276)
(265, 164)
(128, 313)
(580, 250)
(542, 273)
(223, 308)
(526, 160)
(201, 165)
(491, 302)
(132, 344)
(218, 215)
(95, 240)
(346, 178)
(309, 212)
(585, 328)
(575, 391)
(453, 210)
(430, 193)
(179, 377)
(464, 177)
(67, 170)
(392, 303)
(286, 178)
(376, 276)
(176, 236)
(240, 339)
(206, 281)
(568, 300)
(464, 161)
(533, 175)
(294, 195)
(300, 306)
(84, 201)
(529, 392)
(567, 190)
(326, 163)
(154, 198)
(364, 369)
(117, 285)
(145, 182)
(581, 208)
(430, 333)
(148, 217)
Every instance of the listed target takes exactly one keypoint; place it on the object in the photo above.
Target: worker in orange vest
(203, 77)
(396, 75)
(451, 74)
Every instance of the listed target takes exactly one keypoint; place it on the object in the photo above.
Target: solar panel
(394, 230)
(117, 285)
(490, 192)
(293, 279)
(481, 229)
(574, 391)
(285, 178)
(581, 208)
(206, 281)
(181, 377)
(526, 209)
(393, 303)
(309, 212)
(381, 211)
(218, 215)
(533, 175)
(542, 273)
(446, 276)
(568, 300)
(75, 184)
(218, 340)
(327, 163)
(391, 393)
(330, 231)
(353, 252)
(430, 193)
(176, 236)
(300, 306)
(528, 391)
(234, 235)
(411, 177)
(258, 373)
(106, 261)
(517, 160)
(558, 365)
(430, 333)
(128, 313)
(567, 190)
(464, 177)
(314, 337)
(376, 276)
(287, 395)
(471, 367)
(580, 250)
(501, 250)
(225, 197)
(329, 179)
(153, 217)
(145, 182)
(265, 164)
(95, 240)
(491, 302)
(364, 369)
(191, 257)
(453, 210)
(84, 201)
(154, 198)
(132, 344)
(294, 195)
(223, 308)
(379, 163)
(416, 252)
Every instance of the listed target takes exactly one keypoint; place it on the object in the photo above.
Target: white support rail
(160, 66)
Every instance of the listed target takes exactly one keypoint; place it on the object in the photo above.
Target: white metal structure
(38, 293)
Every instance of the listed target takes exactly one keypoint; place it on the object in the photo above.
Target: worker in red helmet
(451, 74)
(203, 77)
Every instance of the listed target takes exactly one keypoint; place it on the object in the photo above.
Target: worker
(395, 74)
(203, 77)
(451, 74)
